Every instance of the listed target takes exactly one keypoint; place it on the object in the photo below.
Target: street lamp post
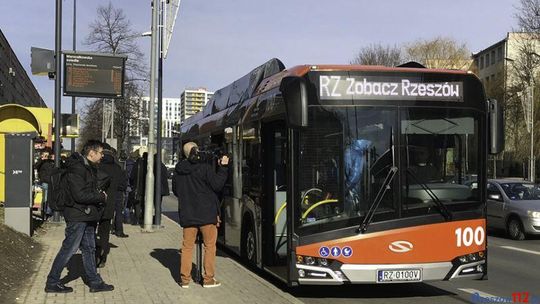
(149, 193)
(532, 162)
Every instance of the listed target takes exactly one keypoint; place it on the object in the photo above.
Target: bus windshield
(347, 152)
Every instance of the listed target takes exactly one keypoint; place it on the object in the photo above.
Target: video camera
(208, 156)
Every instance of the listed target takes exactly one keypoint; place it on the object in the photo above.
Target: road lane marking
(522, 250)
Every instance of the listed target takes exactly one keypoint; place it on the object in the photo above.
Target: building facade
(510, 72)
(193, 101)
(15, 85)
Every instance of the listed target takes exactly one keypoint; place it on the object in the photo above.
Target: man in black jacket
(196, 187)
(81, 215)
(116, 188)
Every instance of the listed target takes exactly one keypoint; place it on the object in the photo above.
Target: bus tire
(514, 229)
(249, 242)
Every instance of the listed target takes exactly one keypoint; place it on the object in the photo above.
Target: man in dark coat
(81, 214)
(196, 187)
(116, 188)
(137, 180)
(44, 168)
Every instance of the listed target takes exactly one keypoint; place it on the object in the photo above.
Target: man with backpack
(82, 203)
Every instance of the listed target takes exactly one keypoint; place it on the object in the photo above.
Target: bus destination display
(333, 87)
(91, 75)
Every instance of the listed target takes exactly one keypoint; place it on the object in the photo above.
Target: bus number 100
(467, 236)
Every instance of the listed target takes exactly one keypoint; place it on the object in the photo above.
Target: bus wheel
(249, 247)
(514, 229)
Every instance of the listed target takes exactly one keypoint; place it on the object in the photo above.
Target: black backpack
(58, 196)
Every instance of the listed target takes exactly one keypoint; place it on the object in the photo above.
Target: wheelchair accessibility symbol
(324, 251)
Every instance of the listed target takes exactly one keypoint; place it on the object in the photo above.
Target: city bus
(351, 174)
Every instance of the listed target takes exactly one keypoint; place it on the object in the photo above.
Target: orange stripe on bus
(430, 243)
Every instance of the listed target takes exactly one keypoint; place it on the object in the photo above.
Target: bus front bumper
(389, 273)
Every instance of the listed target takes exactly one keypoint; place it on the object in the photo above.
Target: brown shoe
(213, 283)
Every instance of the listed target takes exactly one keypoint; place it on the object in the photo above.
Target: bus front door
(274, 228)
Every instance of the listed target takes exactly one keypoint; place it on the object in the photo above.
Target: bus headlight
(309, 260)
(323, 262)
(533, 214)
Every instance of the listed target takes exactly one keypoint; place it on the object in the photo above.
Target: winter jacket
(117, 183)
(137, 179)
(196, 186)
(86, 199)
(44, 168)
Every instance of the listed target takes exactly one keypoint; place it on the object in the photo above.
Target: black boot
(101, 287)
(58, 288)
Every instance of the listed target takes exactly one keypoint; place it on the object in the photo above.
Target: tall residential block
(193, 101)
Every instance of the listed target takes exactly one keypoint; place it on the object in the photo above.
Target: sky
(216, 41)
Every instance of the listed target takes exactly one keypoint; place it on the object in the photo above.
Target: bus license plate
(399, 275)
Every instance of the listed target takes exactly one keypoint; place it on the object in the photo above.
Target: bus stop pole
(150, 185)
(57, 93)
(158, 193)
(74, 49)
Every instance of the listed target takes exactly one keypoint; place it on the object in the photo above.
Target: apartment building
(193, 101)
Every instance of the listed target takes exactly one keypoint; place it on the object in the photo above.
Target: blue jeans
(78, 235)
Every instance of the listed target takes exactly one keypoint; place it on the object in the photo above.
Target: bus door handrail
(283, 205)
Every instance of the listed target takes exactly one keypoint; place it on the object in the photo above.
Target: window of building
(493, 57)
(481, 65)
(487, 60)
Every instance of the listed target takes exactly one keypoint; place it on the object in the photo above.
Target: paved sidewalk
(143, 268)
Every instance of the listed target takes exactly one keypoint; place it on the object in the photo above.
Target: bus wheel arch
(514, 228)
(249, 239)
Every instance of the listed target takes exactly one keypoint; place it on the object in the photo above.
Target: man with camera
(81, 214)
(196, 185)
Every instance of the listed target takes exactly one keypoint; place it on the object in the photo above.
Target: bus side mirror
(295, 95)
(496, 127)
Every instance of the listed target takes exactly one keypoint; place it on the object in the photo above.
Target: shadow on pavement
(370, 291)
(75, 270)
(170, 259)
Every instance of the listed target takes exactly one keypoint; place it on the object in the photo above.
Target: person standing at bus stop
(82, 211)
(196, 185)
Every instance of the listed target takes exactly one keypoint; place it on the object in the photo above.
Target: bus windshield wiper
(442, 208)
(376, 202)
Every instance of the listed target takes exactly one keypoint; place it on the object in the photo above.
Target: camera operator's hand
(218, 223)
(224, 160)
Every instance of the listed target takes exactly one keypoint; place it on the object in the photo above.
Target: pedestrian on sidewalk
(129, 195)
(44, 168)
(137, 180)
(115, 188)
(196, 185)
(81, 215)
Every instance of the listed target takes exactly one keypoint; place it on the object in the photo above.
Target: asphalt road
(513, 270)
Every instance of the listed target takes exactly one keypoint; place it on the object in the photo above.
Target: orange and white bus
(355, 174)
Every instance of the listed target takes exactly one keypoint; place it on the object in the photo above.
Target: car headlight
(533, 214)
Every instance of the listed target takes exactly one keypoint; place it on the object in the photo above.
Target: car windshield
(521, 191)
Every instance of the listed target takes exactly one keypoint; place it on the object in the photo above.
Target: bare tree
(377, 54)
(111, 32)
(439, 52)
(528, 16)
